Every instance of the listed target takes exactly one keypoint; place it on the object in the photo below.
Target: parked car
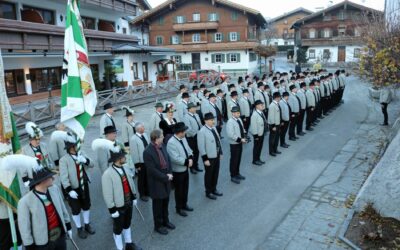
(206, 75)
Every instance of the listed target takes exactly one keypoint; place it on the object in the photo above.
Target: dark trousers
(292, 125)
(324, 106)
(211, 175)
(273, 138)
(236, 157)
(309, 118)
(143, 186)
(258, 145)
(192, 141)
(181, 184)
(246, 123)
(82, 203)
(283, 131)
(385, 113)
(5, 235)
(219, 129)
(300, 121)
(160, 212)
(319, 110)
(123, 221)
(60, 244)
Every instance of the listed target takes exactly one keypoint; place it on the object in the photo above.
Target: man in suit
(245, 110)
(221, 104)
(120, 197)
(181, 157)
(310, 106)
(234, 102)
(192, 121)
(274, 121)
(210, 150)
(261, 95)
(103, 155)
(159, 175)
(342, 84)
(258, 128)
(237, 137)
(285, 118)
(75, 181)
(301, 94)
(182, 106)
(182, 89)
(156, 117)
(294, 103)
(107, 118)
(138, 142)
(384, 99)
(211, 107)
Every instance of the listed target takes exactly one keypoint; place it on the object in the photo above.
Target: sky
(279, 7)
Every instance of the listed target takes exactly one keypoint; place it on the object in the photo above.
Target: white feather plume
(105, 144)
(30, 129)
(19, 162)
(128, 109)
(64, 136)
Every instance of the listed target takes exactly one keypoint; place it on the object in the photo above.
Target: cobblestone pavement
(315, 220)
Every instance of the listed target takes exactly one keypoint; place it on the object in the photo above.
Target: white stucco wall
(278, 41)
(334, 53)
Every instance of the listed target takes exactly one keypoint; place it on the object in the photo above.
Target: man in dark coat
(159, 175)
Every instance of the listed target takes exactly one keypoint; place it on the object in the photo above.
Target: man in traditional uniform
(138, 143)
(237, 137)
(182, 89)
(181, 157)
(310, 106)
(258, 128)
(107, 118)
(159, 175)
(211, 107)
(261, 95)
(221, 104)
(43, 219)
(245, 110)
(210, 150)
(294, 103)
(182, 106)
(56, 144)
(194, 96)
(285, 118)
(103, 155)
(234, 102)
(192, 121)
(128, 127)
(274, 121)
(301, 94)
(120, 197)
(156, 117)
(75, 181)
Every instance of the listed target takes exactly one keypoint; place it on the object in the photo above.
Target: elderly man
(138, 143)
(159, 175)
(192, 121)
(181, 157)
(107, 118)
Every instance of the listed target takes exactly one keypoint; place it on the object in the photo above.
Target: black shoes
(235, 180)
(292, 139)
(132, 246)
(193, 171)
(82, 233)
(187, 208)
(272, 154)
(240, 177)
(309, 129)
(211, 196)
(285, 145)
(278, 152)
(385, 124)
(258, 163)
(144, 198)
(161, 230)
(170, 226)
(301, 133)
(89, 229)
(198, 169)
(216, 193)
(181, 212)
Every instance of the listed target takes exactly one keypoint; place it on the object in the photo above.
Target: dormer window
(327, 33)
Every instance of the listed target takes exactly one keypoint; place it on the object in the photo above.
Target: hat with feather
(70, 139)
(33, 130)
(169, 107)
(116, 152)
(128, 110)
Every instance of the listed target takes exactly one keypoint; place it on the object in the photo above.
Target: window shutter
(223, 58)
(238, 36)
(238, 57)
(209, 16)
(184, 19)
(179, 40)
(229, 36)
(171, 40)
(217, 16)
(222, 37)
(228, 58)
(213, 58)
(213, 37)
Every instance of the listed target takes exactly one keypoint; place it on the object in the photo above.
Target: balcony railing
(336, 40)
(125, 6)
(195, 26)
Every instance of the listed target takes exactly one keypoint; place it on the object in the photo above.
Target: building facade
(218, 35)
(334, 34)
(32, 43)
(278, 30)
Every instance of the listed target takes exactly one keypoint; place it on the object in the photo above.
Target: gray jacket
(233, 131)
(257, 124)
(194, 99)
(262, 96)
(113, 191)
(274, 116)
(231, 104)
(219, 104)
(155, 120)
(32, 218)
(209, 108)
(285, 110)
(137, 148)
(102, 157)
(56, 149)
(177, 156)
(293, 103)
(245, 107)
(68, 173)
(105, 121)
(192, 121)
(385, 95)
(207, 144)
(301, 94)
(310, 98)
(128, 130)
(181, 110)
(46, 162)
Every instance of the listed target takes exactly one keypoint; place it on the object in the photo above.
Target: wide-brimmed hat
(185, 95)
(235, 109)
(191, 105)
(234, 93)
(108, 106)
(159, 105)
(128, 111)
(258, 102)
(179, 127)
(211, 95)
(109, 130)
(209, 116)
(39, 175)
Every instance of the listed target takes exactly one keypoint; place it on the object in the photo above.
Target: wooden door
(342, 54)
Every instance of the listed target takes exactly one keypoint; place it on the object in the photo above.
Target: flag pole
(12, 226)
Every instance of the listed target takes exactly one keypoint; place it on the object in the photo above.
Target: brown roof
(213, 46)
(167, 3)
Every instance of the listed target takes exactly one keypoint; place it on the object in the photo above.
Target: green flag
(78, 93)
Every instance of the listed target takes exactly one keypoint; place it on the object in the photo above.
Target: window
(89, 23)
(175, 40)
(218, 37)
(180, 19)
(15, 82)
(218, 58)
(342, 30)
(233, 58)
(233, 36)
(124, 30)
(159, 40)
(196, 17)
(327, 17)
(7, 10)
(234, 15)
(43, 78)
(47, 15)
(135, 71)
(341, 15)
(326, 54)
(177, 59)
(327, 33)
(213, 17)
(357, 52)
(311, 33)
(161, 20)
(196, 38)
(285, 43)
(253, 57)
(311, 53)
(357, 32)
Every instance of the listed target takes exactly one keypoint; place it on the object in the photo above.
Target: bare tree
(269, 34)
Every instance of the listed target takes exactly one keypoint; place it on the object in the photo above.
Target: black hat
(195, 87)
(292, 87)
(179, 127)
(209, 116)
(235, 109)
(231, 86)
(109, 130)
(70, 141)
(40, 175)
(108, 106)
(185, 95)
(159, 105)
(182, 87)
(205, 92)
(276, 95)
(260, 84)
(240, 79)
(129, 111)
(302, 85)
(312, 83)
(245, 91)
(234, 93)
(115, 156)
(266, 86)
(258, 102)
(202, 86)
(219, 91)
(285, 94)
(211, 95)
(191, 105)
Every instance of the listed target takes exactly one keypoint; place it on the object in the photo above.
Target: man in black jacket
(159, 175)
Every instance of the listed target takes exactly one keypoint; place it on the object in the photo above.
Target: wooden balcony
(21, 35)
(201, 47)
(332, 41)
(125, 6)
(195, 26)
